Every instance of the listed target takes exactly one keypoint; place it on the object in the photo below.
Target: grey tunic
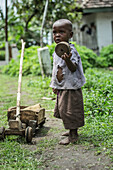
(71, 80)
(69, 104)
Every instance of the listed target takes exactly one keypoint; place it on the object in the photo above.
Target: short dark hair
(66, 21)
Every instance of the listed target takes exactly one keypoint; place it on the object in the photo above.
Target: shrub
(2, 55)
(88, 57)
(98, 92)
(106, 57)
(30, 63)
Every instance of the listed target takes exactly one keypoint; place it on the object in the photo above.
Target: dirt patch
(70, 157)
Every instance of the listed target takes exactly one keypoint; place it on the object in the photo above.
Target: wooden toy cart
(30, 119)
(23, 120)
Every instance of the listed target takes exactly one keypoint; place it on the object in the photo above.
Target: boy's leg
(73, 136)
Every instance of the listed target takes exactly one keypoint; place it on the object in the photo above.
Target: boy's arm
(72, 66)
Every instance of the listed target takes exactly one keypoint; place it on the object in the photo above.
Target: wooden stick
(19, 81)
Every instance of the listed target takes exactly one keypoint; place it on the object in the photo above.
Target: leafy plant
(30, 63)
(106, 57)
(2, 55)
(98, 92)
(88, 57)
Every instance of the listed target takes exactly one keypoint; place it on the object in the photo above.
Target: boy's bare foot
(65, 134)
(64, 141)
(73, 137)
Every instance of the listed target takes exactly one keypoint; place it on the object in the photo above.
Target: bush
(88, 57)
(98, 92)
(2, 55)
(2, 50)
(31, 64)
(106, 57)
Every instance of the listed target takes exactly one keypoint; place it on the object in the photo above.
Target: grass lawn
(96, 136)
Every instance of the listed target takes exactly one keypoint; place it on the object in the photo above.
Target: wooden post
(6, 18)
(17, 124)
(43, 22)
(6, 52)
(19, 81)
(6, 34)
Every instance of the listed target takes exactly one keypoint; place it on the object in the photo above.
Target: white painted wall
(89, 18)
(104, 29)
(88, 40)
(103, 22)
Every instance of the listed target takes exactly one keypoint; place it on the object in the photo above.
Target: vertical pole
(20, 81)
(6, 25)
(6, 34)
(43, 22)
(6, 52)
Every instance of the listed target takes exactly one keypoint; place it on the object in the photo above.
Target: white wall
(81, 37)
(89, 40)
(104, 28)
(89, 18)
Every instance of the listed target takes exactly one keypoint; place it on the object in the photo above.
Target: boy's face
(61, 32)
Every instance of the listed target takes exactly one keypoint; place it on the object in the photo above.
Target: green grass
(12, 153)
(97, 134)
(13, 156)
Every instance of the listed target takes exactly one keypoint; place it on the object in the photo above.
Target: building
(96, 29)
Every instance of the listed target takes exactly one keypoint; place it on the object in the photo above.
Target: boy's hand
(66, 56)
(55, 91)
(71, 66)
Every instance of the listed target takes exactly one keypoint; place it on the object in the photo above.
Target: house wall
(84, 34)
(104, 29)
(89, 35)
(103, 35)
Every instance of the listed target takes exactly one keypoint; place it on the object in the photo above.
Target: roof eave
(95, 10)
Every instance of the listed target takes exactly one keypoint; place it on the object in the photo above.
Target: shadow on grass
(41, 132)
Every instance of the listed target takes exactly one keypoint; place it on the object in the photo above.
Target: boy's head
(62, 30)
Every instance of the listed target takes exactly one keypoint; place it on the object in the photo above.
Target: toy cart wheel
(28, 134)
(2, 133)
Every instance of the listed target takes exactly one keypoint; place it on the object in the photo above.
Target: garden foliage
(106, 57)
(31, 62)
(98, 92)
(2, 51)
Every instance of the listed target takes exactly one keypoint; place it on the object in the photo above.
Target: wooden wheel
(28, 134)
(2, 133)
(61, 48)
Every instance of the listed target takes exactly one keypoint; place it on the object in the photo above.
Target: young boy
(67, 80)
